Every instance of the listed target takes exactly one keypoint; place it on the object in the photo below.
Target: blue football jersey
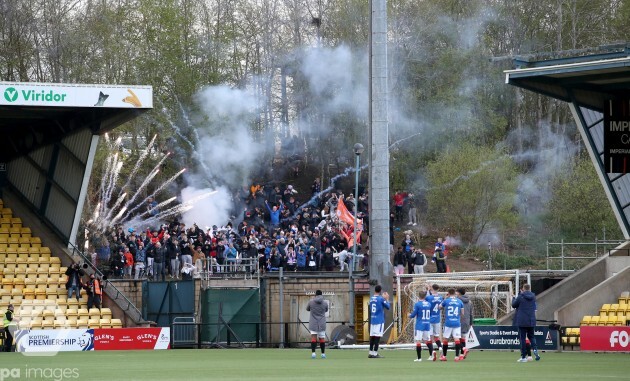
(422, 313)
(452, 312)
(435, 301)
(377, 306)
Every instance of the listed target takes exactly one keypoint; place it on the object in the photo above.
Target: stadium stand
(610, 314)
(34, 282)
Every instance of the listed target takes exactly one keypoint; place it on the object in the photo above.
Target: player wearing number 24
(454, 310)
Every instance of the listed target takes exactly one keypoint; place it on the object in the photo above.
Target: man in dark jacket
(159, 260)
(409, 249)
(466, 320)
(117, 264)
(150, 255)
(328, 260)
(439, 256)
(525, 320)
(317, 322)
(399, 261)
(73, 283)
(174, 252)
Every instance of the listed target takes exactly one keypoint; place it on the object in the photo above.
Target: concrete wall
(615, 264)
(296, 291)
(572, 287)
(132, 289)
(591, 301)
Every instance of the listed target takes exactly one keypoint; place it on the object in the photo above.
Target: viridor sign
(75, 95)
(11, 94)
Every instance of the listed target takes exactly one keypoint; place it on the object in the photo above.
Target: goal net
(490, 294)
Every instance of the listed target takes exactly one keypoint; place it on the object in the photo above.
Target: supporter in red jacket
(128, 263)
(399, 201)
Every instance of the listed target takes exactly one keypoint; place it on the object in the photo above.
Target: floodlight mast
(379, 246)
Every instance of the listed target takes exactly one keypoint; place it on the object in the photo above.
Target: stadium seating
(610, 314)
(106, 313)
(33, 280)
(604, 310)
(94, 323)
(571, 337)
(82, 323)
(615, 308)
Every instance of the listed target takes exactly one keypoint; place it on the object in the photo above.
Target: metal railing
(184, 331)
(568, 255)
(241, 266)
(114, 293)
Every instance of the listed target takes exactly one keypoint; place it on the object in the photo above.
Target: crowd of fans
(275, 231)
(279, 228)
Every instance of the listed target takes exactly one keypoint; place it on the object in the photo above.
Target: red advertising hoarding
(605, 339)
(131, 338)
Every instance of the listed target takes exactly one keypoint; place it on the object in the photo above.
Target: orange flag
(343, 213)
(349, 235)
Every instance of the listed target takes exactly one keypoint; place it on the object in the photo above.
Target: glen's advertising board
(63, 340)
(131, 338)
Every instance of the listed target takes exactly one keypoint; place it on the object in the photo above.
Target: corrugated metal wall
(28, 175)
(27, 178)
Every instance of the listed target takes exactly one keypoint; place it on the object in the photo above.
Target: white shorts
(320, 334)
(421, 335)
(436, 329)
(377, 329)
(455, 332)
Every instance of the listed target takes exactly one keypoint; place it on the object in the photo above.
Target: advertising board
(506, 337)
(605, 339)
(131, 338)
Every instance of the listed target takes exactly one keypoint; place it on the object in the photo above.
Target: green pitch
(296, 364)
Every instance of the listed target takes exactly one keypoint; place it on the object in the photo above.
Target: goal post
(490, 293)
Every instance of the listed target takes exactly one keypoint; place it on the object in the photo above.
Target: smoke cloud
(547, 153)
(338, 78)
(211, 210)
(226, 152)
